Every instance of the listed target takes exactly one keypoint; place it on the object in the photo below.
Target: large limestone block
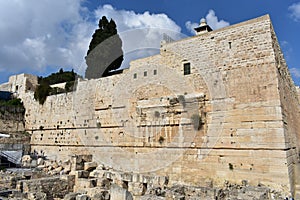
(137, 189)
(118, 193)
(79, 160)
(37, 196)
(82, 197)
(89, 166)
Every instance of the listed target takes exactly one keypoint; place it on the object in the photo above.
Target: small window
(145, 73)
(17, 87)
(186, 68)
(229, 43)
(134, 75)
(154, 72)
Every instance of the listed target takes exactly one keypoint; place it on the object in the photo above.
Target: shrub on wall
(44, 89)
(41, 93)
(14, 105)
(161, 139)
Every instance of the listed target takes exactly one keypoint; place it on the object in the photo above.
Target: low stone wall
(53, 187)
(8, 180)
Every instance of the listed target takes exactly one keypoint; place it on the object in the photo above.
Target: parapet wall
(211, 107)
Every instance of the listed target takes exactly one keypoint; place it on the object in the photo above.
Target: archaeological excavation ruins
(213, 116)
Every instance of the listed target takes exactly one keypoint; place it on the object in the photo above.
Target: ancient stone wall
(290, 110)
(212, 107)
(5, 87)
(11, 119)
(20, 84)
(237, 64)
(50, 188)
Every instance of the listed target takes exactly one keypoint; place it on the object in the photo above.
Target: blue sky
(41, 36)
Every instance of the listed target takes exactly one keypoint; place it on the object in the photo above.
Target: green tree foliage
(70, 86)
(59, 77)
(109, 55)
(43, 90)
(106, 29)
(14, 105)
(13, 102)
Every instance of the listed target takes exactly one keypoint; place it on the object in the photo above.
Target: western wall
(216, 106)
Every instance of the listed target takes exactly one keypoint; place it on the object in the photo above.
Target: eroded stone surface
(234, 117)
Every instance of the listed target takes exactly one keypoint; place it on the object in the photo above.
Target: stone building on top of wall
(20, 84)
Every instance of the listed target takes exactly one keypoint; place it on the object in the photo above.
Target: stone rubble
(82, 179)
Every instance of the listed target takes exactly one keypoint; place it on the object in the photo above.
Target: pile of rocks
(8, 180)
(11, 180)
(51, 167)
(229, 191)
(82, 179)
(95, 182)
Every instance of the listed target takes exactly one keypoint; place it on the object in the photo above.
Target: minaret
(203, 27)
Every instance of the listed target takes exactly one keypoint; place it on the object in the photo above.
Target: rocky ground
(81, 179)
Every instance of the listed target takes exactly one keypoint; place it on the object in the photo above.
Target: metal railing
(13, 159)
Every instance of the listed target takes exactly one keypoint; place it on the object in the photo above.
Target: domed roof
(203, 22)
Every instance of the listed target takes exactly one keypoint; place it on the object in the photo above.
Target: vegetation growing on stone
(12, 102)
(14, 105)
(70, 86)
(43, 90)
(161, 139)
(230, 166)
(59, 77)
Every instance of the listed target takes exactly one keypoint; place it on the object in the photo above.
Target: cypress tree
(105, 50)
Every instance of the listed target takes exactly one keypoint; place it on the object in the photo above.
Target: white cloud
(211, 19)
(126, 20)
(36, 35)
(295, 72)
(190, 26)
(286, 49)
(295, 11)
(141, 33)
